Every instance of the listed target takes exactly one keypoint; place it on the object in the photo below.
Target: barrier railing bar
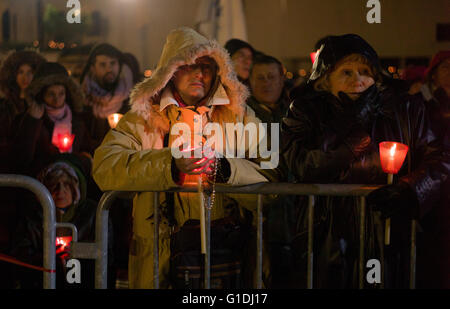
(48, 208)
(412, 259)
(310, 263)
(156, 240)
(259, 242)
(261, 189)
(70, 226)
(362, 228)
(208, 245)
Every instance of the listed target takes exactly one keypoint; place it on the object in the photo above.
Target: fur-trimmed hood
(51, 73)
(183, 46)
(11, 65)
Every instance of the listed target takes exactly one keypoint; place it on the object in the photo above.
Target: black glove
(363, 108)
(358, 141)
(397, 199)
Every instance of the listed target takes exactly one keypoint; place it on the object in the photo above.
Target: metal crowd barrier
(99, 250)
(49, 222)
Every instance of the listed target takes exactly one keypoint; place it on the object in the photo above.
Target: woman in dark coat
(16, 74)
(434, 264)
(331, 135)
(58, 102)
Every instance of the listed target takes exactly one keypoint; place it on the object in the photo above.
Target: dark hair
(10, 68)
(101, 49)
(234, 45)
(266, 59)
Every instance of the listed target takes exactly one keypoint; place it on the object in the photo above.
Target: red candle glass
(64, 142)
(392, 155)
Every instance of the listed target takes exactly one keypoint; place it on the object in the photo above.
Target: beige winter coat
(132, 156)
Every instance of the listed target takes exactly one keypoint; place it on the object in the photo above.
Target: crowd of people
(111, 130)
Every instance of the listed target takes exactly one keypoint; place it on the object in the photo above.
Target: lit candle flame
(392, 150)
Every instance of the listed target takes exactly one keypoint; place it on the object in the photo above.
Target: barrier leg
(310, 241)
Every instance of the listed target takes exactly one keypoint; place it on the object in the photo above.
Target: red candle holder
(392, 156)
(64, 142)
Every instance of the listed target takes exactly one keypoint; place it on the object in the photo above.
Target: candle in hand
(392, 155)
(114, 119)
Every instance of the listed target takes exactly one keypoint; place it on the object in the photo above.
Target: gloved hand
(364, 107)
(396, 199)
(358, 141)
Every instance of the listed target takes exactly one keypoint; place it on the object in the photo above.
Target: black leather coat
(316, 153)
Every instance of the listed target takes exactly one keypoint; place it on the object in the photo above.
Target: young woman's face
(62, 192)
(55, 96)
(352, 78)
(193, 82)
(24, 76)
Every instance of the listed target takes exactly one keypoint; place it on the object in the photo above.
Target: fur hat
(52, 73)
(183, 46)
(8, 71)
(436, 60)
(335, 48)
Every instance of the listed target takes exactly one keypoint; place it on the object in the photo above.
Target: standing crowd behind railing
(289, 217)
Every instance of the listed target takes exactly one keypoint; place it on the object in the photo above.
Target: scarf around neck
(105, 102)
(62, 119)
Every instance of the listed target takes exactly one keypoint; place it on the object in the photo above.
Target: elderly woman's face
(193, 82)
(61, 192)
(352, 78)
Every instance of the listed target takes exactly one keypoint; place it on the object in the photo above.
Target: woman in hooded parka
(194, 77)
(16, 75)
(331, 135)
(58, 100)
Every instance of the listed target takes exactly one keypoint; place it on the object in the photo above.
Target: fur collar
(183, 47)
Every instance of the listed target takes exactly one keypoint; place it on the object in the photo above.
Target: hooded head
(335, 48)
(10, 69)
(51, 74)
(438, 72)
(345, 64)
(184, 47)
(66, 181)
(242, 55)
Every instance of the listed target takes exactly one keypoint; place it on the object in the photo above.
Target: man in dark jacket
(106, 81)
(331, 135)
